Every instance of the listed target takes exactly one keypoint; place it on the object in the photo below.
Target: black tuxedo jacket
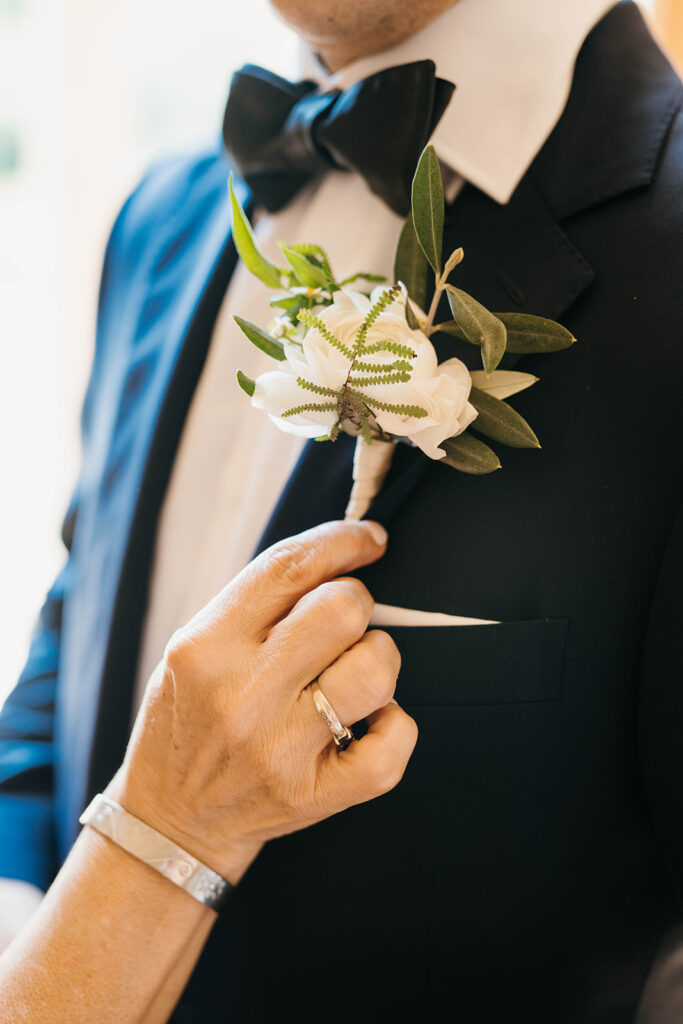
(530, 861)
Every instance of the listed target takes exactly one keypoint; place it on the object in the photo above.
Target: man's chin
(367, 26)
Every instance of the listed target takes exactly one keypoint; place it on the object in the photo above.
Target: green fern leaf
(394, 347)
(309, 407)
(415, 411)
(370, 278)
(365, 428)
(311, 320)
(399, 365)
(367, 382)
(309, 385)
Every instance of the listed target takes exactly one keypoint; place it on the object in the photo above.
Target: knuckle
(352, 604)
(379, 664)
(385, 651)
(371, 678)
(414, 730)
(387, 771)
(291, 563)
(177, 653)
(411, 730)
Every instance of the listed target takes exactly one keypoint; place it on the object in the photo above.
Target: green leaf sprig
(419, 250)
(306, 282)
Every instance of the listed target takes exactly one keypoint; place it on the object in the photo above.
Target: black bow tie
(280, 134)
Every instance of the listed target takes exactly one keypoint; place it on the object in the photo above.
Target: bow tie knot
(279, 135)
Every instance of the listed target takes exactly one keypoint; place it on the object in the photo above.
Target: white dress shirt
(512, 63)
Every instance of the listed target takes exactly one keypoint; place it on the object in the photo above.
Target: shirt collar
(512, 62)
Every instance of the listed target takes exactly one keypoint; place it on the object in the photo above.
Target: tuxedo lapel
(521, 257)
(320, 484)
(517, 258)
(316, 491)
(159, 354)
(623, 99)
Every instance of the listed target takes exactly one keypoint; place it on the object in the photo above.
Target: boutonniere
(355, 355)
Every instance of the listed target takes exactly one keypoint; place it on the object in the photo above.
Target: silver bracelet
(155, 849)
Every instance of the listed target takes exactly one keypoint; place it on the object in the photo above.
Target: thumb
(272, 584)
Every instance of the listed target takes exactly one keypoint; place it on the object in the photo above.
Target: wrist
(127, 875)
(231, 861)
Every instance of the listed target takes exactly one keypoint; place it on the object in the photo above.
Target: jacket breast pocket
(502, 663)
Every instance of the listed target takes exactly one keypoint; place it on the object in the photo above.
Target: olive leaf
(452, 328)
(306, 271)
(456, 257)
(411, 319)
(246, 246)
(317, 255)
(247, 384)
(478, 326)
(468, 455)
(502, 383)
(501, 422)
(410, 265)
(527, 333)
(288, 302)
(428, 207)
(266, 342)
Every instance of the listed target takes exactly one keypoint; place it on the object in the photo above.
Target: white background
(90, 92)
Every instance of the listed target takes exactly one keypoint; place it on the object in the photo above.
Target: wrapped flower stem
(370, 466)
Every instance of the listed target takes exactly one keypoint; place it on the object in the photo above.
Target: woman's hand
(228, 750)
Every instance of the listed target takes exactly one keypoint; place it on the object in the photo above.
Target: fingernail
(379, 534)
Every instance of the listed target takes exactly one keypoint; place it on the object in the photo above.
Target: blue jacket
(532, 857)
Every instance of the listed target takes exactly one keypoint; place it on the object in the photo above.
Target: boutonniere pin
(355, 355)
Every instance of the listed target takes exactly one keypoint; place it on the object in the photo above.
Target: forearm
(172, 988)
(111, 940)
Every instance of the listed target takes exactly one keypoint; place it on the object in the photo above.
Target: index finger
(270, 586)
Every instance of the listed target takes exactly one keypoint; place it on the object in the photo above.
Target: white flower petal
(430, 439)
(468, 416)
(291, 425)
(456, 369)
(325, 364)
(347, 299)
(276, 391)
(296, 360)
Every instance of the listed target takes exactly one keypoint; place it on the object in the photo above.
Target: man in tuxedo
(529, 864)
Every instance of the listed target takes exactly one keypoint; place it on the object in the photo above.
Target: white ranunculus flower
(440, 389)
